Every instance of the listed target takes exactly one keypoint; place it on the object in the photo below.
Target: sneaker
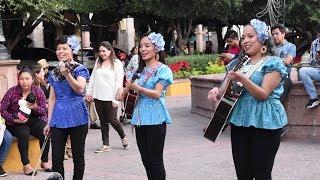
(2, 172)
(125, 143)
(103, 148)
(313, 103)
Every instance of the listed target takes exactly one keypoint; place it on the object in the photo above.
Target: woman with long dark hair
(151, 116)
(106, 79)
(258, 116)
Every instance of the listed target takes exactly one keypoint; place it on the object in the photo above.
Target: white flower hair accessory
(74, 43)
(261, 29)
(157, 40)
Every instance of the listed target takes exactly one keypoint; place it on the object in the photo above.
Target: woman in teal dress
(258, 117)
(150, 115)
(67, 112)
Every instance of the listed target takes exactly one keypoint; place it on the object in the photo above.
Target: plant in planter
(215, 68)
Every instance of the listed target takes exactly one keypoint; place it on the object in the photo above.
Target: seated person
(233, 47)
(22, 128)
(309, 74)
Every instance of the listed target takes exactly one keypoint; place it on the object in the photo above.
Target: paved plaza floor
(187, 154)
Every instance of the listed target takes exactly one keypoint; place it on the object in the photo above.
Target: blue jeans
(307, 76)
(4, 148)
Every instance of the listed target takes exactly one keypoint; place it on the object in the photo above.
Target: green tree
(28, 14)
(306, 13)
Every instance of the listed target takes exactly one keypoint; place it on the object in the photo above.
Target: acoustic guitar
(132, 96)
(229, 98)
(131, 100)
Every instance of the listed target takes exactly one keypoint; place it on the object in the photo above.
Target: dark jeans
(107, 114)
(59, 138)
(254, 151)
(34, 126)
(150, 140)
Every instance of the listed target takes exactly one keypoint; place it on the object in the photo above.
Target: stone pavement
(188, 155)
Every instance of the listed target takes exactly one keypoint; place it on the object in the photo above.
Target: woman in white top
(106, 78)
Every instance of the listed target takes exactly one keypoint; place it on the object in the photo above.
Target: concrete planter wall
(302, 123)
(200, 86)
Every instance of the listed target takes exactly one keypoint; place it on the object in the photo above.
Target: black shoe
(94, 126)
(313, 103)
(2, 172)
(46, 169)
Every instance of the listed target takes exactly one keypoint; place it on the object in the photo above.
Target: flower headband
(157, 40)
(261, 29)
(74, 43)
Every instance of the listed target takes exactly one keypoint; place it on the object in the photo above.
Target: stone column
(199, 38)
(3, 50)
(126, 35)
(37, 36)
(85, 37)
(85, 33)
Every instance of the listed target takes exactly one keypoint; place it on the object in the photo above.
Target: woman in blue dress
(67, 112)
(258, 117)
(150, 115)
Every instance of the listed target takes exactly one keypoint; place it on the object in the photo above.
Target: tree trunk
(219, 37)
(183, 35)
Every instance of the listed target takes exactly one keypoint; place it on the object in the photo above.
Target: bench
(13, 161)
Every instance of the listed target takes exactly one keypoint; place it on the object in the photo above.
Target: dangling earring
(264, 49)
(157, 57)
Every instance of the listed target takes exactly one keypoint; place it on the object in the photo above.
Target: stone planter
(200, 86)
(302, 123)
(180, 87)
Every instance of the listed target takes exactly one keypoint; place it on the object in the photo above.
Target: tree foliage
(305, 12)
(28, 15)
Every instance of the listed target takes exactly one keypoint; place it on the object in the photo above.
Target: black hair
(281, 28)
(271, 47)
(63, 39)
(142, 63)
(26, 69)
(132, 50)
(232, 34)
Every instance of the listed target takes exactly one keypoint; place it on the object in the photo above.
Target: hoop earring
(157, 57)
(264, 49)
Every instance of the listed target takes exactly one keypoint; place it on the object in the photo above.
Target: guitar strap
(149, 74)
(249, 73)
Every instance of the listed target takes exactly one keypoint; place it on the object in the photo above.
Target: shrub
(194, 65)
(199, 62)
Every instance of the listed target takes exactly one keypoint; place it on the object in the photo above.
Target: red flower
(180, 65)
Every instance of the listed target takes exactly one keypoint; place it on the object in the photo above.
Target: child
(24, 111)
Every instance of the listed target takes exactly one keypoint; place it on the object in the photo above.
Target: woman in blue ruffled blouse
(258, 116)
(150, 115)
(67, 112)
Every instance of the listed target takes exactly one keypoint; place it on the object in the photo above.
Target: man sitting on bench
(312, 73)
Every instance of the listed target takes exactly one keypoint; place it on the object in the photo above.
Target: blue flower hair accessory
(157, 40)
(74, 43)
(261, 29)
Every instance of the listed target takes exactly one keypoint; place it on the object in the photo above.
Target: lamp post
(4, 55)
